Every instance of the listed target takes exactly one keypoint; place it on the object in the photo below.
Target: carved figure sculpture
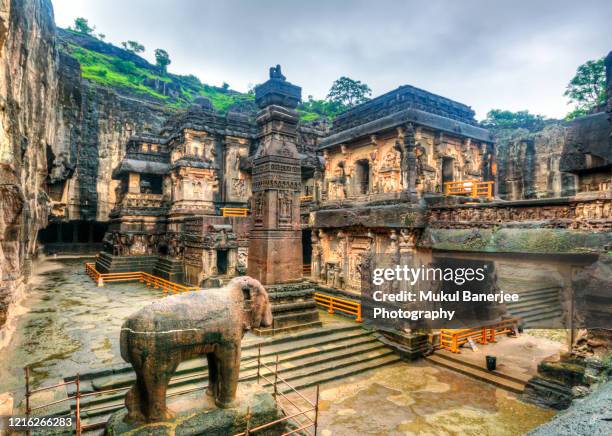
(407, 158)
(211, 321)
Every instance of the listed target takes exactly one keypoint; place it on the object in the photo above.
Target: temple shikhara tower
(275, 240)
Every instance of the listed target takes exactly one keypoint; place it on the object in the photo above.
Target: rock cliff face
(528, 163)
(561, 159)
(28, 96)
(60, 137)
(93, 127)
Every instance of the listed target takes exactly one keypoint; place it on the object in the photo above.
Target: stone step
(537, 320)
(540, 291)
(322, 335)
(529, 296)
(536, 310)
(293, 306)
(299, 380)
(307, 360)
(477, 373)
(295, 318)
(338, 373)
(549, 300)
(507, 374)
(285, 351)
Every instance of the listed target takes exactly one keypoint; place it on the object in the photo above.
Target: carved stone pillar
(275, 239)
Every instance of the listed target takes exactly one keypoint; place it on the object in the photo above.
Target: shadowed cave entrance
(72, 237)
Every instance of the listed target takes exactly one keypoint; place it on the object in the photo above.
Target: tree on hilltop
(162, 59)
(348, 92)
(587, 89)
(81, 25)
(503, 119)
(133, 46)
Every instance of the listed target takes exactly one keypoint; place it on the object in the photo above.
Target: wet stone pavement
(421, 399)
(71, 326)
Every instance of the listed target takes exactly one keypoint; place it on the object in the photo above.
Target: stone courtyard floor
(70, 326)
(422, 399)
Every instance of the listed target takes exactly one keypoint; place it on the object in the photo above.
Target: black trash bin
(491, 363)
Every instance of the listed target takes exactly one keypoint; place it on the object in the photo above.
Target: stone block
(196, 413)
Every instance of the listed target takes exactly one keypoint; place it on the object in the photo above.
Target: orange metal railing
(453, 339)
(149, 279)
(307, 269)
(471, 188)
(305, 198)
(234, 211)
(333, 304)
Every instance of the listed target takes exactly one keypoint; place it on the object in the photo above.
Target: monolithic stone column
(275, 240)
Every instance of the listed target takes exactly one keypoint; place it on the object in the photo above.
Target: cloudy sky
(488, 54)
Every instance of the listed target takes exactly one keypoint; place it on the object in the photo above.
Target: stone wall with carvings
(380, 156)
(337, 254)
(576, 213)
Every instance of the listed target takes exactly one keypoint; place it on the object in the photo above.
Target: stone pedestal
(293, 308)
(275, 239)
(410, 346)
(108, 263)
(196, 413)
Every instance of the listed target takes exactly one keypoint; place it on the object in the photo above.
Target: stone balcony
(140, 204)
(142, 200)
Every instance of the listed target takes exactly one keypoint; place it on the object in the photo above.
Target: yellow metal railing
(452, 339)
(333, 304)
(305, 198)
(472, 188)
(234, 211)
(142, 277)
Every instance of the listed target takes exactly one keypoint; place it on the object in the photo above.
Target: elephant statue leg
(213, 375)
(133, 401)
(134, 398)
(229, 357)
(156, 380)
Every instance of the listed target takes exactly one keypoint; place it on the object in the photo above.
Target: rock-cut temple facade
(212, 195)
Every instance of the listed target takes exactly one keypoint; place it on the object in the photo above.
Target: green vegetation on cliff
(131, 75)
(114, 72)
(124, 71)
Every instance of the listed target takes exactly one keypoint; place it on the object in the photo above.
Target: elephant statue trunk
(211, 322)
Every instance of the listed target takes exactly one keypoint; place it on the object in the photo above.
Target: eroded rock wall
(528, 163)
(28, 96)
(93, 126)
(60, 138)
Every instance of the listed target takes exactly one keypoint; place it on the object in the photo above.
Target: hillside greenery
(121, 69)
(127, 77)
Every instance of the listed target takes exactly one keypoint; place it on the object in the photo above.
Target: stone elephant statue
(163, 334)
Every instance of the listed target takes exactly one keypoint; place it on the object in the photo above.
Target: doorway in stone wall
(222, 262)
(362, 176)
(447, 171)
(306, 246)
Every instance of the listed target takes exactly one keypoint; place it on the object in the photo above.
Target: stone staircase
(513, 382)
(538, 307)
(169, 269)
(308, 358)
